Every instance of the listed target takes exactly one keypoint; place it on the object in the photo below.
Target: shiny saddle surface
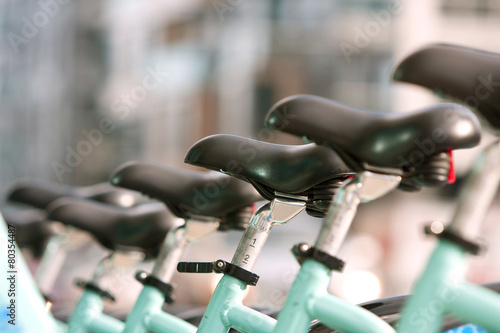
(142, 227)
(377, 138)
(469, 75)
(306, 170)
(282, 168)
(187, 193)
(40, 194)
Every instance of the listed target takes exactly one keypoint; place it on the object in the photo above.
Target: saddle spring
(433, 171)
(321, 196)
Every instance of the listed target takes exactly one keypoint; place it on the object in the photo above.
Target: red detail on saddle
(254, 208)
(451, 175)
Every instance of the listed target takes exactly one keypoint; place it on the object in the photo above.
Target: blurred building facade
(152, 78)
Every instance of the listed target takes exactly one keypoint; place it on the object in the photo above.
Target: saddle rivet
(220, 264)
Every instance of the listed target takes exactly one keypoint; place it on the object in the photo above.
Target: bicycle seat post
(237, 274)
(52, 261)
(279, 211)
(173, 247)
(105, 266)
(477, 193)
(363, 187)
(170, 253)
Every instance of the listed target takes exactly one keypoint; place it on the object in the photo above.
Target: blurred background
(88, 85)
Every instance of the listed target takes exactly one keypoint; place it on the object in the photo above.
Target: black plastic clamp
(93, 287)
(437, 229)
(219, 266)
(303, 251)
(149, 280)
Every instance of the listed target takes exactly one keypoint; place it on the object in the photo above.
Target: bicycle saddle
(381, 140)
(189, 193)
(142, 227)
(467, 74)
(40, 194)
(270, 167)
(32, 231)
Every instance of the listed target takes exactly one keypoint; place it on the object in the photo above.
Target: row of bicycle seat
(414, 146)
(361, 140)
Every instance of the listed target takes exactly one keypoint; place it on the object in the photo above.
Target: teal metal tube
(313, 279)
(88, 308)
(27, 307)
(147, 316)
(478, 305)
(248, 320)
(345, 317)
(61, 327)
(435, 290)
(229, 293)
(308, 299)
(149, 301)
(161, 322)
(102, 323)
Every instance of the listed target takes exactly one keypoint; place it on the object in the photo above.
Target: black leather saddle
(469, 75)
(309, 170)
(378, 139)
(190, 193)
(142, 227)
(32, 231)
(40, 194)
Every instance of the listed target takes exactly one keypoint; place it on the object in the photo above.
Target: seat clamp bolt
(303, 247)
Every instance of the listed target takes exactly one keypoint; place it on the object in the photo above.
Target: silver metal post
(253, 239)
(51, 262)
(170, 254)
(279, 211)
(364, 187)
(105, 266)
(477, 193)
(175, 242)
(339, 217)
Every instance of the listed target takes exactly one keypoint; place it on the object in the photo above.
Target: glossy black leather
(469, 75)
(283, 168)
(186, 193)
(40, 194)
(32, 231)
(377, 138)
(142, 227)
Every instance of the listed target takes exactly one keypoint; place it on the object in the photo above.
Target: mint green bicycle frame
(27, 300)
(87, 315)
(225, 309)
(308, 299)
(442, 289)
(146, 315)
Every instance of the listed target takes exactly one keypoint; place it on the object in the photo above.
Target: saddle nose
(190, 193)
(468, 75)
